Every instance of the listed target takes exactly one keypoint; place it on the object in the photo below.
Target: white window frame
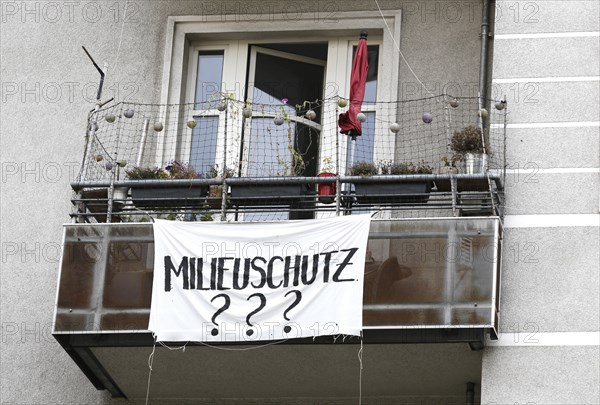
(186, 35)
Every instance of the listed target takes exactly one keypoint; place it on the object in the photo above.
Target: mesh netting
(266, 140)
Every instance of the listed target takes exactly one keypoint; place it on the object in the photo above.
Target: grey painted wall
(540, 375)
(550, 277)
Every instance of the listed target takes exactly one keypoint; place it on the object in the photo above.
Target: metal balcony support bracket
(453, 188)
(87, 362)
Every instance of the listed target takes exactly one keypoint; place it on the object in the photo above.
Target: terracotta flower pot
(326, 191)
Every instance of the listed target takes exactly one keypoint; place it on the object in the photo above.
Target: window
(265, 63)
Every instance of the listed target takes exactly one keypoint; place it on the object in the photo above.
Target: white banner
(236, 282)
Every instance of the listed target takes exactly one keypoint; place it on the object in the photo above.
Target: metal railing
(269, 171)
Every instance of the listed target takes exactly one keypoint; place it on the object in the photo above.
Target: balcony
(432, 272)
(426, 281)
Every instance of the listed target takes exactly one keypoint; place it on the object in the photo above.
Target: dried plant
(406, 168)
(363, 168)
(146, 173)
(178, 170)
(469, 140)
(173, 170)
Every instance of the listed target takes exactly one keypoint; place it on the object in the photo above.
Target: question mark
(263, 302)
(287, 328)
(215, 331)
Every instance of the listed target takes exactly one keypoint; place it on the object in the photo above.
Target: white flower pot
(476, 163)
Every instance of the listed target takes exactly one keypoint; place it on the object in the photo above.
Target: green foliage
(449, 162)
(215, 172)
(327, 165)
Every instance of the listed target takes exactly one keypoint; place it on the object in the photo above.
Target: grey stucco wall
(540, 375)
(550, 277)
(48, 86)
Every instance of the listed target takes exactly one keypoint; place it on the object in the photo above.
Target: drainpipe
(470, 393)
(483, 65)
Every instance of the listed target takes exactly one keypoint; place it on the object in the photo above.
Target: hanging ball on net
(342, 102)
(278, 120)
(99, 158)
(483, 113)
(121, 163)
(247, 112)
(395, 127)
(191, 124)
(311, 115)
(361, 117)
(110, 118)
(427, 118)
(500, 105)
(158, 126)
(128, 113)
(222, 106)
(108, 166)
(454, 103)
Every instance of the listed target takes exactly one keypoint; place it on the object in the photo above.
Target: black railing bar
(196, 209)
(281, 180)
(145, 183)
(104, 311)
(430, 176)
(459, 305)
(427, 234)
(145, 239)
(436, 326)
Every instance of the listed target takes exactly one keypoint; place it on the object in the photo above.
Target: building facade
(543, 59)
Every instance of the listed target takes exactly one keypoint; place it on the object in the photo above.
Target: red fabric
(358, 78)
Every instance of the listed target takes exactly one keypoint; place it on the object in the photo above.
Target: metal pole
(470, 393)
(224, 192)
(138, 161)
(483, 64)
(338, 185)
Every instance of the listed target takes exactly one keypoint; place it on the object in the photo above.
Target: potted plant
(158, 195)
(472, 148)
(327, 191)
(448, 165)
(388, 192)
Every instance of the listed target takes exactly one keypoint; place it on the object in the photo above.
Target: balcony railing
(259, 162)
(423, 274)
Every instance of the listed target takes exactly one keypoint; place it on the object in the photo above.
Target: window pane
(268, 150)
(371, 85)
(204, 143)
(209, 78)
(277, 78)
(364, 143)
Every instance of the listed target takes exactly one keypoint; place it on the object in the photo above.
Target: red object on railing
(326, 191)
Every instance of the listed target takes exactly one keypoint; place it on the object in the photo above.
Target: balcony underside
(287, 373)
